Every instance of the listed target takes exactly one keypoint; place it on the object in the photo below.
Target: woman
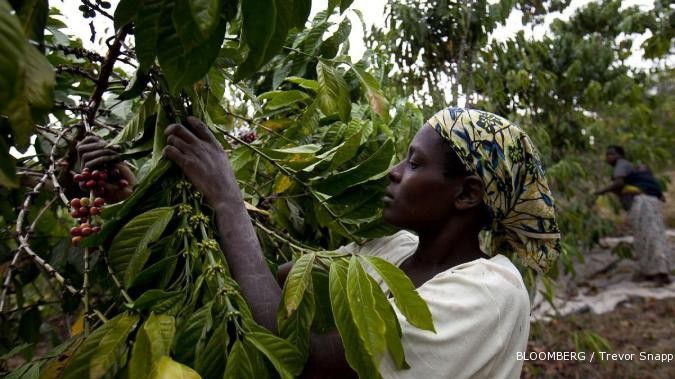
(641, 197)
(466, 171)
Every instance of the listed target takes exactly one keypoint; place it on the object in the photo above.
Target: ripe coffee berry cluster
(95, 180)
(83, 210)
(248, 137)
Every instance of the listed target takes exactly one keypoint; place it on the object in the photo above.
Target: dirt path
(603, 309)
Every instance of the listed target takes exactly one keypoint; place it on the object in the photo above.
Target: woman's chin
(389, 217)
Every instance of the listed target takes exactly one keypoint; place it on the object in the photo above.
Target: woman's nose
(395, 173)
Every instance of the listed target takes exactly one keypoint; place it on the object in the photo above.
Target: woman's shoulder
(495, 282)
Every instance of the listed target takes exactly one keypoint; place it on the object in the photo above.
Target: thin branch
(286, 239)
(104, 75)
(23, 237)
(75, 71)
(117, 282)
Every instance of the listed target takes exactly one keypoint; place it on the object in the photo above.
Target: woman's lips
(387, 198)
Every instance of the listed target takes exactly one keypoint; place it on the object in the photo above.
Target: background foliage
(311, 136)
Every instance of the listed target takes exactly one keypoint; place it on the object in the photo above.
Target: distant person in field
(641, 197)
(470, 193)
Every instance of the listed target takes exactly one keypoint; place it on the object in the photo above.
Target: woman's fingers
(183, 146)
(173, 153)
(100, 161)
(181, 132)
(89, 139)
(98, 157)
(87, 148)
(200, 129)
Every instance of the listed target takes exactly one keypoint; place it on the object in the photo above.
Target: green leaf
(378, 102)
(408, 301)
(192, 334)
(98, 354)
(301, 10)
(368, 321)
(280, 99)
(133, 129)
(258, 19)
(301, 149)
(346, 150)
(283, 356)
(7, 167)
(357, 356)
(344, 4)
(329, 48)
(206, 14)
(375, 167)
(159, 272)
(296, 328)
(182, 67)
(167, 368)
(33, 15)
(147, 31)
(125, 13)
(36, 93)
(299, 278)
(392, 328)
(238, 363)
(136, 86)
(296, 311)
(333, 95)
(129, 250)
(159, 301)
(282, 25)
(153, 341)
(40, 80)
(304, 83)
(159, 139)
(211, 362)
(12, 55)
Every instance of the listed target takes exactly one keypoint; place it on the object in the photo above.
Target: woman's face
(420, 196)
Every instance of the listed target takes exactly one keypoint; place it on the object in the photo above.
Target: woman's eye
(412, 164)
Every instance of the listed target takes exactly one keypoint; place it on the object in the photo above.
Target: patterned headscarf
(516, 192)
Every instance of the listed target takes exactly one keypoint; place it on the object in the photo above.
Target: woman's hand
(202, 159)
(95, 153)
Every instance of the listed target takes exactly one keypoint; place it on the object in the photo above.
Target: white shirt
(480, 311)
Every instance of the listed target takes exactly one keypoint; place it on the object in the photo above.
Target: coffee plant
(139, 287)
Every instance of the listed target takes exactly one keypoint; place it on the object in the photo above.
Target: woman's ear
(471, 194)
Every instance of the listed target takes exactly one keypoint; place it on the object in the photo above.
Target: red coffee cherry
(75, 203)
(99, 202)
(75, 231)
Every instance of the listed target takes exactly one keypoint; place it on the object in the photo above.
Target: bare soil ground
(638, 325)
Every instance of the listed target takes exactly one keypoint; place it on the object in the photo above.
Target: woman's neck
(454, 244)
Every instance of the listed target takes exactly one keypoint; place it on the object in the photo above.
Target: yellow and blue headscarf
(516, 192)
